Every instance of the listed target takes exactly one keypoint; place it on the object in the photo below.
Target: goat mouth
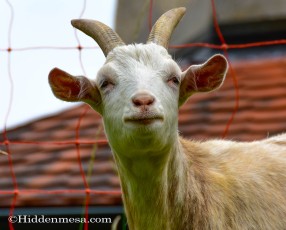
(144, 120)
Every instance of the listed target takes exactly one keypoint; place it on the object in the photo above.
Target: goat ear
(72, 89)
(203, 78)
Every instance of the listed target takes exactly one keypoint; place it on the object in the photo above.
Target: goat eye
(106, 85)
(174, 80)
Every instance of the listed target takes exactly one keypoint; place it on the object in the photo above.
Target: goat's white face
(139, 88)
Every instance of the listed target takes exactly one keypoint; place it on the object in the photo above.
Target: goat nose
(142, 100)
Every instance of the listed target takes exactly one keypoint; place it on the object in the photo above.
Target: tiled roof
(262, 112)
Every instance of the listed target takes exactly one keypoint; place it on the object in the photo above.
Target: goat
(169, 182)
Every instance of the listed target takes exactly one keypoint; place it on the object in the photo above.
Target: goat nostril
(150, 102)
(143, 100)
(137, 102)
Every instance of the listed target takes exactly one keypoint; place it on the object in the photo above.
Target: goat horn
(162, 30)
(105, 37)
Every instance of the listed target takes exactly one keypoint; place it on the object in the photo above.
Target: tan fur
(210, 185)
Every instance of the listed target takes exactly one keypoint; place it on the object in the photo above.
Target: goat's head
(140, 87)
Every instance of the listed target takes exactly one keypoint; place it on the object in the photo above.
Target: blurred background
(45, 137)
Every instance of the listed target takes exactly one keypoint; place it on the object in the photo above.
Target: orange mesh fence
(7, 143)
